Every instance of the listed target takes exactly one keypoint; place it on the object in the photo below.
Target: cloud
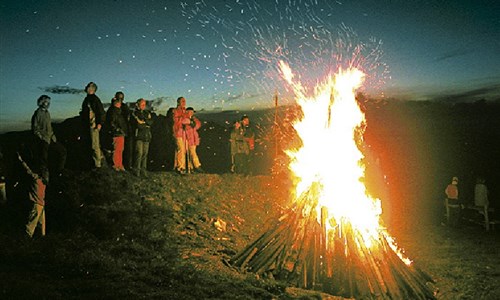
(487, 92)
(452, 54)
(243, 95)
(156, 103)
(61, 89)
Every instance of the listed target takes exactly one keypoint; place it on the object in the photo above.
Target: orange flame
(331, 129)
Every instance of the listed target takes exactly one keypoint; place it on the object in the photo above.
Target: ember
(332, 238)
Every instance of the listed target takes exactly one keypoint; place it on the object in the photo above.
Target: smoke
(60, 89)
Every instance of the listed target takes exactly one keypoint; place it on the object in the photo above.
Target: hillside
(113, 235)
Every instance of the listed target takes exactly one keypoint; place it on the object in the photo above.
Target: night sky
(224, 54)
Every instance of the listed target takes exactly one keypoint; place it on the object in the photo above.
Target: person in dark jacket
(116, 127)
(239, 148)
(249, 137)
(141, 126)
(128, 151)
(93, 118)
(45, 139)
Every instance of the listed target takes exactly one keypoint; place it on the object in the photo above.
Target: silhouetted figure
(481, 200)
(481, 193)
(169, 145)
(93, 118)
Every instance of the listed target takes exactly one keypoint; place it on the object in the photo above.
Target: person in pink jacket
(193, 140)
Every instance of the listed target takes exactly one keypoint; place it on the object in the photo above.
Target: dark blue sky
(224, 53)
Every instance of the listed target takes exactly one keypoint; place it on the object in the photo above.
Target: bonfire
(332, 238)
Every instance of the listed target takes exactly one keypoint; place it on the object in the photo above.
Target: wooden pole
(276, 124)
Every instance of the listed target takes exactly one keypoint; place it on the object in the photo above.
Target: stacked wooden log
(298, 248)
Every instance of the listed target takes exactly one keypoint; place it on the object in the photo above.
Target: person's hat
(190, 108)
(454, 179)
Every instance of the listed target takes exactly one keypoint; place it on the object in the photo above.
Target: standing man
(481, 199)
(181, 118)
(249, 137)
(239, 148)
(41, 126)
(452, 203)
(481, 193)
(93, 118)
(141, 126)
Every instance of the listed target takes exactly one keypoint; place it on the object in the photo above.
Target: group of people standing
(185, 130)
(454, 203)
(187, 139)
(126, 134)
(128, 131)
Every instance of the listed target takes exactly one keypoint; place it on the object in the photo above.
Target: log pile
(299, 249)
